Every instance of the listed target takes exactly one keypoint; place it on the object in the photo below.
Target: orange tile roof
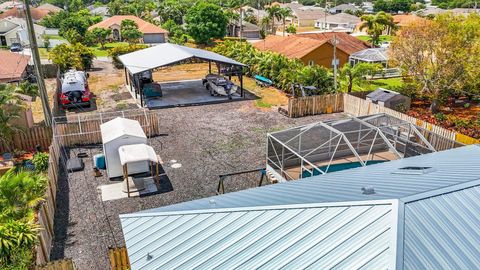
(290, 46)
(143, 26)
(37, 14)
(297, 46)
(347, 43)
(406, 19)
(12, 65)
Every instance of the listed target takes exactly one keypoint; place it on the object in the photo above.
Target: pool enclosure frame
(360, 138)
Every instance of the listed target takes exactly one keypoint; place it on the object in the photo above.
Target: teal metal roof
(306, 237)
(449, 168)
(442, 232)
(425, 219)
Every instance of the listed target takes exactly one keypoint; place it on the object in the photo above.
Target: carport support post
(126, 76)
(241, 85)
(209, 67)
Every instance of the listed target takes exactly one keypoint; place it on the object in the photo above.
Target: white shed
(119, 132)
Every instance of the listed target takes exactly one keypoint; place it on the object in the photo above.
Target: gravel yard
(206, 140)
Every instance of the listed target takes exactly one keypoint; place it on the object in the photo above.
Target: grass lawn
(99, 52)
(391, 84)
(43, 53)
(54, 37)
(382, 38)
(302, 29)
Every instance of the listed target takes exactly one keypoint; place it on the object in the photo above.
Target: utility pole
(335, 61)
(38, 66)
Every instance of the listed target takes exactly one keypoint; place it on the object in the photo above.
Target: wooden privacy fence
(46, 212)
(118, 258)
(86, 131)
(28, 139)
(356, 105)
(76, 131)
(361, 107)
(66, 264)
(303, 106)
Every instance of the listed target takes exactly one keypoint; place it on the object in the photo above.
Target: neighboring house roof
(347, 43)
(10, 4)
(371, 55)
(256, 12)
(465, 11)
(250, 27)
(291, 5)
(19, 22)
(143, 26)
(297, 46)
(431, 11)
(309, 14)
(290, 46)
(19, 12)
(341, 18)
(12, 65)
(102, 10)
(50, 7)
(406, 19)
(345, 7)
(423, 219)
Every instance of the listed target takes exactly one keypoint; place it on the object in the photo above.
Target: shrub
(281, 70)
(40, 161)
(440, 116)
(21, 193)
(114, 53)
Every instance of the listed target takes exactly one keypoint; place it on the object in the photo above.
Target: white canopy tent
(134, 154)
(166, 54)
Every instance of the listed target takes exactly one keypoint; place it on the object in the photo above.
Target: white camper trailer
(116, 133)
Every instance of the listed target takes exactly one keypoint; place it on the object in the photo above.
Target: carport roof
(167, 54)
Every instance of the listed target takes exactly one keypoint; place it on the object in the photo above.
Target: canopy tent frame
(147, 155)
(307, 146)
(168, 54)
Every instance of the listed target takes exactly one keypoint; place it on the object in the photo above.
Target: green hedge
(114, 53)
(281, 70)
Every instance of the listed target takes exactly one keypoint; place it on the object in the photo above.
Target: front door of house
(3, 41)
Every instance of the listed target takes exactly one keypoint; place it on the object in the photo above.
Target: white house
(14, 30)
(338, 22)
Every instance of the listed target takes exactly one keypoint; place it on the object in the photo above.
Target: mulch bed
(462, 117)
(206, 140)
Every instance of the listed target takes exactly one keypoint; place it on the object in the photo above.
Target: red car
(74, 90)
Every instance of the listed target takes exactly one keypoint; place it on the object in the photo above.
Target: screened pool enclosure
(329, 146)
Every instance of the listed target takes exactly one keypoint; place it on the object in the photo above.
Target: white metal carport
(167, 54)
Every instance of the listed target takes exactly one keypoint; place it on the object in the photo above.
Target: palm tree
(356, 75)
(284, 13)
(274, 13)
(20, 193)
(10, 104)
(376, 24)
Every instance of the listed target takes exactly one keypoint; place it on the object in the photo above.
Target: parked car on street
(16, 47)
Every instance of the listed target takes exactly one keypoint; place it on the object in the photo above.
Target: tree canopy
(441, 56)
(206, 21)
